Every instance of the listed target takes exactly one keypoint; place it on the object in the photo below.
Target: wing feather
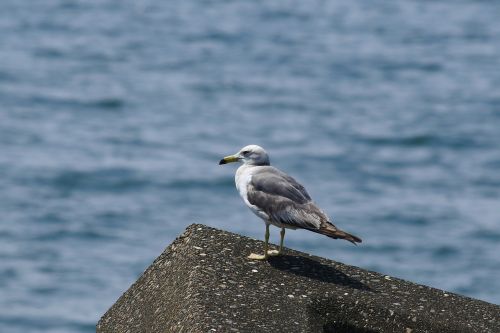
(284, 200)
(273, 181)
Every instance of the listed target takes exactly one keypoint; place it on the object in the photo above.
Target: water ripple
(115, 114)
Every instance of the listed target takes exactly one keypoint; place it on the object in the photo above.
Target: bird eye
(246, 152)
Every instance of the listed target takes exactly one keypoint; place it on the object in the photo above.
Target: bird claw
(273, 253)
(270, 253)
(254, 256)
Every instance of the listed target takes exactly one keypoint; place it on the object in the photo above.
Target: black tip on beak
(222, 162)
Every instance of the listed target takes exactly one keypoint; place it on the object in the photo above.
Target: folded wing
(284, 200)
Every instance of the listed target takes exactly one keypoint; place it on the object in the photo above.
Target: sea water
(114, 115)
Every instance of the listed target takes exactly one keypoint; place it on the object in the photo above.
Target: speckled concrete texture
(203, 282)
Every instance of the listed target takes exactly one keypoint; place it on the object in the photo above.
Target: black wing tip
(336, 234)
(356, 239)
(353, 239)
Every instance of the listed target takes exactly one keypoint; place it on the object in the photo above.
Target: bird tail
(331, 231)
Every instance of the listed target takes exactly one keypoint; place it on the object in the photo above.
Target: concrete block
(203, 282)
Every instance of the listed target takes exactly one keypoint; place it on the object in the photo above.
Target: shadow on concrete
(313, 269)
(341, 327)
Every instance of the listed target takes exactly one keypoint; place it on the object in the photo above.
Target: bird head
(251, 155)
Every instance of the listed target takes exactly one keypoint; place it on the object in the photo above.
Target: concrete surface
(203, 282)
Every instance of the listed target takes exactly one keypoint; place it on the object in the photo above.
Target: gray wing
(283, 199)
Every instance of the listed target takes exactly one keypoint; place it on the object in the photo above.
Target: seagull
(278, 199)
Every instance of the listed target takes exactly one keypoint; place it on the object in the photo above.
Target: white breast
(242, 178)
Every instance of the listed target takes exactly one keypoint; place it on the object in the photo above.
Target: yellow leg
(282, 240)
(266, 246)
(274, 252)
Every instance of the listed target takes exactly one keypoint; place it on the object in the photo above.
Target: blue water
(114, 114)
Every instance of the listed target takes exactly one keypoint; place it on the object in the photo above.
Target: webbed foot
(254, 256)
(273, 253)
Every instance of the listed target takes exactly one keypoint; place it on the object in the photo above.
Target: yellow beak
(229, 159)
